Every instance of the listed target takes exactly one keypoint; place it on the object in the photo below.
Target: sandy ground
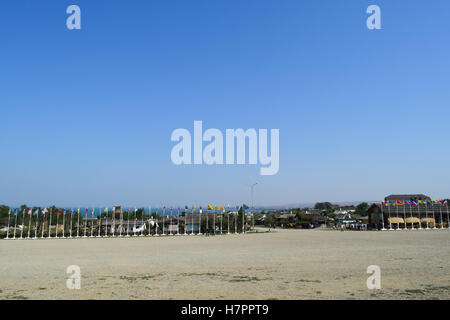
(286, 264)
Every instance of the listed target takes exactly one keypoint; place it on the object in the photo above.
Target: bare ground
(286, 264)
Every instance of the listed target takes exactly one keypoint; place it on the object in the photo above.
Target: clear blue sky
(86, 116)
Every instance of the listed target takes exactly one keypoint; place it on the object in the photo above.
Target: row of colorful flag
(106, 210)
(414, 203)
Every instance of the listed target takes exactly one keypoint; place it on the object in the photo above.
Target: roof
(286, 216)
(410, 197)
(395, 220)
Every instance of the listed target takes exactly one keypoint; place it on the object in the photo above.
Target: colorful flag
(29, 212)
(399, 202)
(209, 207)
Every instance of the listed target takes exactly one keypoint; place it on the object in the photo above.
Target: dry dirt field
(286, 264)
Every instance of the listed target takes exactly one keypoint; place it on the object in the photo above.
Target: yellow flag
(209, 207)
(193, 208)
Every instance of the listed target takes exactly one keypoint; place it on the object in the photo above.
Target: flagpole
(149, 217)
(111, 228)
(23, 221)
(390, 220)
(113, 221)
(92, 222)
(185, 219)
(57, 217)
(70, 228)
(178, 222)
(214, 221)
(36, 224)
(78, 224)
(64, 224)
(164, 213)
(105, 234)
(382, 218)
(171, 213)
(128, 222)
(207, 215)
(448, 220)
(9, 217)
(404, 216)
(235, 223)
(121, 222)
(442, 222)
(221, 218)
(398, 224)
(15, 224)
(43, 222)
(49, 223)
(99, 223)
(243, 221)
(142, 222)
(29, 223)
(199, 221)
(85, 223)
(420, 216)
(156, 222)
(228, 224)
(426, 214)
(135, 221)
(434, 215)
(412, 219)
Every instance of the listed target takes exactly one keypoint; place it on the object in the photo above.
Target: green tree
(4, 211)
(362, 208)
(323, 206)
